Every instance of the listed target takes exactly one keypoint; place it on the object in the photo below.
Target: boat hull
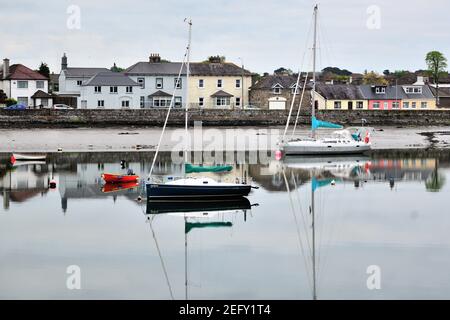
(116, 178)
(26, 156)
(324, 148)
(184, 205)
(172, 191)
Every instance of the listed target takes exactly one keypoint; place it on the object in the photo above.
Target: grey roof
(339, 91)
(155, 68)
(54, 77)
(443, 91)
(217, 69)
(160, 93)
(41, 94)
(110, 79)
(395, 92)
(83, 72)
(222, 93)
(268, 82)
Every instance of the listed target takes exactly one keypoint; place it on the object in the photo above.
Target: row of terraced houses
(214, 83)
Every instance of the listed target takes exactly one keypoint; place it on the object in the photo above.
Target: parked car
(61, 106)
(251, 107)
(17, 106)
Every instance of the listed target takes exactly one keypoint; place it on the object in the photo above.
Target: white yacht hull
(324, 147)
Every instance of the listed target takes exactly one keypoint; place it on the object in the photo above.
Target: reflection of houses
(401, 169)
(21, 183)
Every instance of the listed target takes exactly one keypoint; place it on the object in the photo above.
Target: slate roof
(110, 78)
(443, 91)
(217, 69)
(395, 92)
(20, 72)
(221, 94)
(41, 94)
(83, 72)
(160, 93)
(339, 91)
(155, 68)
(286, 81)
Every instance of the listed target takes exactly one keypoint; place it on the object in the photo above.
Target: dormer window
(417, 90)
(294, 89)
(380, 90)
(277, 88)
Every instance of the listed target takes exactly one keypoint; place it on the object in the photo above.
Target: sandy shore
(130, 139)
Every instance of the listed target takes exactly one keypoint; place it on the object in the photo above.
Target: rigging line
(303, 219)
(167, 116)
(297, 82)
(298, 231)
(330, 55)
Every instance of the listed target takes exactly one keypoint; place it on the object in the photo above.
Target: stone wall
(213, 117)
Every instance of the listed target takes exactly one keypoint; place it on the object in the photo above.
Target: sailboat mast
(313, 93)
(313, 245)
(187, 92)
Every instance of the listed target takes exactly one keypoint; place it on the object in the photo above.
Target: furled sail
(323, 124)
(191, 225)
(190, 168)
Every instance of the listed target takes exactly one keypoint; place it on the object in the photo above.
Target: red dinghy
(119, 178)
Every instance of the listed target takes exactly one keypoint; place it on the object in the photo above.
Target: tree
(115, 68)
(44, 70)
(386, 72)
(3, 97)
(337, 71)
(436, 63)
(10, 102)
(374, 78)
(282, 70)
(436, 180)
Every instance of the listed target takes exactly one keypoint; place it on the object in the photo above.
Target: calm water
(388, 211)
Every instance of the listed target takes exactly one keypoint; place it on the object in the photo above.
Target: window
(337, 104)
(277, 90)
(22, 100)
(222, 101)
(125, 103)
(395, 105)
(100, 103)
(79, 82)
(385, 105)
(113, 89)
(413, 105)
(294, 89)
(376, 105)
(201, 101)
(40, 84)
(161, 102)
(201, 83)
(22, 84)
(423, 105)
(359, 105)
(177, 83)
(129, 89)
(405, 105)
(413, 89)
(177, 102)
(97, 89)
(159, 83)
(238, 83)
(141, 81)
(219, 83)
(380, 90)
(238, 101)
(142, 101)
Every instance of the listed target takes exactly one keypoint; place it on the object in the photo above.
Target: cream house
(218, 84)
(340, 97)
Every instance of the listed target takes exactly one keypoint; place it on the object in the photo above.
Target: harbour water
(314, 228)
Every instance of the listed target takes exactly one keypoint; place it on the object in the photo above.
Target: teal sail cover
(315, 183)
(190, 168)
(323, 124)
(191, 225)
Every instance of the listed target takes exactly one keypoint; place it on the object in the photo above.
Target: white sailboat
(342, 141)
(192, 187)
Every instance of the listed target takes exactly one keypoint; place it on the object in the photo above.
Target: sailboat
(342, 141)
(192, 187)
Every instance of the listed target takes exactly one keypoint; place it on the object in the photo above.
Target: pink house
(382, 97)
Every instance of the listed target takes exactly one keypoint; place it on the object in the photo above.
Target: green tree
(115, 68)
(374, 78)
(436, 180)
(10, 102)
(436, 63)
(44, 70)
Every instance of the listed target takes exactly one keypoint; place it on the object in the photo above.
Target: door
(350, 105)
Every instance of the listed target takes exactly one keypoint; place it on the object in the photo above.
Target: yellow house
(218, 84)
(340, 97)
(417, 97)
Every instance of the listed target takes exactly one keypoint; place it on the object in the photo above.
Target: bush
(10, 102)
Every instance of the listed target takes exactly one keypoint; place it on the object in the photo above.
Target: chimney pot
(154, 58)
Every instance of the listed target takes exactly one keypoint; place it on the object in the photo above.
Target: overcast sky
(266, 34)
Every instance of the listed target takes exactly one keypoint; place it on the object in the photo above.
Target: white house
(72, 79)
(157, 81)
(111, 90)
(28, 87)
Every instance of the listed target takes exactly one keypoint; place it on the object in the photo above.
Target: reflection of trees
(436, 180)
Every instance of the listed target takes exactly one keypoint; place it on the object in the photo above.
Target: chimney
(64, 62)
(154, 58)
(216, 59)
(5, 68)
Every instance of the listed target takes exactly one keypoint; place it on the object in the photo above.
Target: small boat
(27, 156)
(114, 187)
(119, 178)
